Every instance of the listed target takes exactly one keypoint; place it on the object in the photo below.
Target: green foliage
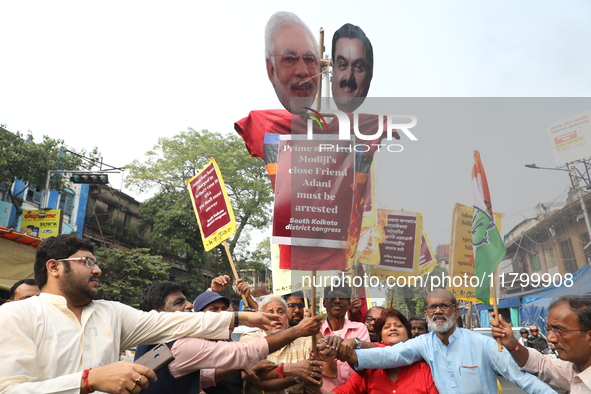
(174, 229)
(410, 300)
(175, 160)
(127, 273)
(260, 258)
(23, 158)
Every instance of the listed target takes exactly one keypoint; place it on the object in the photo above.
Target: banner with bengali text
(400, 251)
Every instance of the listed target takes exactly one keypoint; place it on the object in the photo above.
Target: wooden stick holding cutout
(493, 294)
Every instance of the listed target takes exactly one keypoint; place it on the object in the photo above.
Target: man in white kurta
(50, 339)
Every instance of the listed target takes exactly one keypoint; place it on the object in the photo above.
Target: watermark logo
(345, 125)
(387, 125)
(317, 116)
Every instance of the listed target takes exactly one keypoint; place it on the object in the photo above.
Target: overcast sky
(120, 74)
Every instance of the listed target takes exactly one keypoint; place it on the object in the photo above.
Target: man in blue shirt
(461, 361)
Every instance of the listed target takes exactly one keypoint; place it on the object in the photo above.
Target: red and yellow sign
(42, 223)
(212, 205)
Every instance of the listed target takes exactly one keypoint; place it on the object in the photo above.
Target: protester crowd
(57, 339)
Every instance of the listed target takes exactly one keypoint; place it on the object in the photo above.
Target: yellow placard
(461, 265)
(429, 264)
(212, 205)
(42, 223)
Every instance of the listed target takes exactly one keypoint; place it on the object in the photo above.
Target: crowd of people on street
(58, 338)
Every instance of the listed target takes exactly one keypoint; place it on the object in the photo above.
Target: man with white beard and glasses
(461, 361)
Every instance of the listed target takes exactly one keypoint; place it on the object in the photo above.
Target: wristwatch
(359, 343)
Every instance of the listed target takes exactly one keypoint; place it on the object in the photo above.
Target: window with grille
(67, 201)
(568, 254)
(34, 195)
(4, 192)
(534, 262)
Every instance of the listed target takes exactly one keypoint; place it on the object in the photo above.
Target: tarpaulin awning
(534, 307)
(17, 256)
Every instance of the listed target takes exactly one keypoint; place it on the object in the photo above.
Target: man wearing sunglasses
(461, 360)
(569, 331)
(64, 341)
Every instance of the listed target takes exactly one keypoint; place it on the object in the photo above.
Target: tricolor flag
(488, 247)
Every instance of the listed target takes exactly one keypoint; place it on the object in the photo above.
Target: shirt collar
(456, 334)
(585, 376)
(60, 302)
(325, 328)
(57, 300)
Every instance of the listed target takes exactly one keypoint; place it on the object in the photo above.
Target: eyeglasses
(290, 59)
(369, 319)
(443, 306)
(89, 261)
(559, 331)
(293, 305)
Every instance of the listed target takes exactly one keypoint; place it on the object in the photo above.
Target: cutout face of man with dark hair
(352, 67)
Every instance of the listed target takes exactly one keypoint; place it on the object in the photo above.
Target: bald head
(442, 293)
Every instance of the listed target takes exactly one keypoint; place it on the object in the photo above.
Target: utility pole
(575, 181)
(575, 177)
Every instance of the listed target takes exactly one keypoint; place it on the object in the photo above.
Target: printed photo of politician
(352, 70)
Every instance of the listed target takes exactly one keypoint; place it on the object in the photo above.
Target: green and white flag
(488, 248)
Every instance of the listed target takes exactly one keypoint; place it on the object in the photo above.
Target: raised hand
(220, 283)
